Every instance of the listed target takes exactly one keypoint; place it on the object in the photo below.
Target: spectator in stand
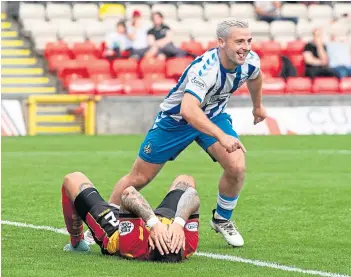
(316, 57)
(160, 39)
(270, 10)
(117, 42)
(138, 35)
(339, 54)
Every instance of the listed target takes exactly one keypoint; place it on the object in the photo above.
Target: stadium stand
(70, 36)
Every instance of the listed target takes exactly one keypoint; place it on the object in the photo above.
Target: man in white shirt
(339, 55)
(137, 33)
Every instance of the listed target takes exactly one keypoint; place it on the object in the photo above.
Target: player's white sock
(225, 207)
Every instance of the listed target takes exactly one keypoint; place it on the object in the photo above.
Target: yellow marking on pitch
(22, 71)
(28, 90)
(59, 129)
(11, 43)
(18, 61)
(29, 81)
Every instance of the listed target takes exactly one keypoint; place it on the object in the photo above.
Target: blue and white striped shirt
(210, 83)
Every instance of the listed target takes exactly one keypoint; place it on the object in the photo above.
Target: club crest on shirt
(125, 228)
(148, 148)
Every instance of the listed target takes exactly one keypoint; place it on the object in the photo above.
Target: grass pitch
(295, 208)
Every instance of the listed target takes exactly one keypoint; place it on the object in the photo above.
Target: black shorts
(168, 206)
(101, 217)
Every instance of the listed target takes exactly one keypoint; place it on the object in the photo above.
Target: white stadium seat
(341, 8)
(205, 29)
(294, 10)
(70, 40)
(29, 22)
(31, 11)
(320, 12)
(43, 28)
(282, 28)
(70, 29)
(212, 11)
(81, 11)
(242, 11)
(142, 8)
(169, 11)
(94, 28)
(97, 39)
(190, 11)
(54, 10)
(40, 43)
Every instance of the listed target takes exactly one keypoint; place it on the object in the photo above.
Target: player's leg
(159, 146)
(73, 184)
(230, 183)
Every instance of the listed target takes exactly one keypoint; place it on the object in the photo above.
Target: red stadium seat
(54, 61)
(136, 87)
(345, 85)
(176, 66)
(55, 48)
(125, 66)
(154, 76)
(81, 86)
(211, 44)
(86, 57)
(271, 64)
(193, 47)
(85, 48)
(299, 63)
(325, 85)
(100, 76)
(273, 86)
(243, 90)
(162, 87)
(151, 65)
(271, 48)
(295, 47)
(256, 47)
(99, 67)
(299, 85)
(128, 76)
(71, 69)
(110, 87)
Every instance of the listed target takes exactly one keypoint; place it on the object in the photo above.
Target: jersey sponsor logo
(198, 82)
(217, 98)
(125, 227)
(192, 226)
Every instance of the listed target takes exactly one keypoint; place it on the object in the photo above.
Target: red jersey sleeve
(133, 238)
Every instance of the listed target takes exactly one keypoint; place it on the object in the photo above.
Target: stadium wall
(287, 115)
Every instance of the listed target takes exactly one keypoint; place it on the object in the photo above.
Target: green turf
(294, 209)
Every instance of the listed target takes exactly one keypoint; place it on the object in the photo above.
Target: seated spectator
(138, 35)
(316, 57)
(270, 10)
(339, 54)
(160, 39)
(117, 42)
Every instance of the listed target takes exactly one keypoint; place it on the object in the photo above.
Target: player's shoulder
(253, 59)
(206, 64)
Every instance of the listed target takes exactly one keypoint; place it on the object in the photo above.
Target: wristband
(152, 221)
(180, 221)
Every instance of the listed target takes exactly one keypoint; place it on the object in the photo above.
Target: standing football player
(194, 110)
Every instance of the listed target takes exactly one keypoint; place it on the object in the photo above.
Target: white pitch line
(203, 254)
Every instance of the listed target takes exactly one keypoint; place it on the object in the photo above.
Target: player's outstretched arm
(255, 89)
(134, 202)
(189, 203)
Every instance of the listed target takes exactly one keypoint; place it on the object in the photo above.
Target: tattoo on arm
(188, 204)
(135, 203)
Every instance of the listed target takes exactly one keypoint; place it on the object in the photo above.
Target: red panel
(193, 47)
(176, 66)
(125, 66)
(81, 86)
(85, 48)
(325, 85)
(152, 65)
(299, 85)
(55, 48)
(270, 48)
(55, 61)
(273, 86)
(99, 67)
(345, 85)
(295, 47)
(109, 87)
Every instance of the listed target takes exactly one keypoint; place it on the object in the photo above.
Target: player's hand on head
(231, 144)
(159, 234)
(259, 114)
(176, 234)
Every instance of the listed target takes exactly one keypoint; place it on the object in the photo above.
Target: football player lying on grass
(169, 233)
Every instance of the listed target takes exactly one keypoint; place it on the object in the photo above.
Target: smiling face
(236, 45)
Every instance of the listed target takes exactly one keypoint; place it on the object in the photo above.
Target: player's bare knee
(183, 182)
(74, 179)
(236, 171)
